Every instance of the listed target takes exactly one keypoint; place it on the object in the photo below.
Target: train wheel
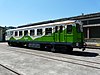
(69, 48)
(53, 49)
(47, 47)
(9, 44)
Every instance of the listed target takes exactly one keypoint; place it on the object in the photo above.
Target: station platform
(93, 44)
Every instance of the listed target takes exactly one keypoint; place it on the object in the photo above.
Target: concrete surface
(93, 45)
(26, 64)
(4, 71)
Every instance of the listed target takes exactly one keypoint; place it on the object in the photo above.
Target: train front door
(59, 34)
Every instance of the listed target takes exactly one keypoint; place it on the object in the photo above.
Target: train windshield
(79, 28)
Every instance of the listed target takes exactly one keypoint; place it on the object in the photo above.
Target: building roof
(1, 27)
(83, 16)
(86, 16)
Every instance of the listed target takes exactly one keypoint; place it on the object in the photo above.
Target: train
(53, 36)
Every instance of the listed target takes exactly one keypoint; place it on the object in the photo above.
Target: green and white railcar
(54, 36)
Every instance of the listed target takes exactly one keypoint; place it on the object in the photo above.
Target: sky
(21, 12)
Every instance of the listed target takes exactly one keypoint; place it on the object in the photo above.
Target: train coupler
(84, 46)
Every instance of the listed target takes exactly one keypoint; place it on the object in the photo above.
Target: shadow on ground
(81, 53)
(75, 53)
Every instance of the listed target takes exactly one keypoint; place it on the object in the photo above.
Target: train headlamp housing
(77, 44)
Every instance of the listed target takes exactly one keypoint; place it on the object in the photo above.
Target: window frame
(48, 31)
(56, 29)
(39, 32)
(8, 33)
(11, 33)
(78, 28)
(69, 31)
(20, 33)
(32, 32)
(25, 34)
(61, 28)
(16, 33)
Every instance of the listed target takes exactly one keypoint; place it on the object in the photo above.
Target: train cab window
(16, 33)
(69, 29)
(48, 31)
(32, 32)
(56, 29)
(20, 33)
(78, 28)
(61, 28)
(26, 33)
(11, 32)
(39, 31)
(8, 33)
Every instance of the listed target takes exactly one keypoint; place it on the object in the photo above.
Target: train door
(79, 31)
(59, 33)
(69, 33)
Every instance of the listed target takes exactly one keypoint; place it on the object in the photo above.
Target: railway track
(57, 57)
(10, 70)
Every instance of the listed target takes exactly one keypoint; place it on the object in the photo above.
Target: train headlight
(77, 44)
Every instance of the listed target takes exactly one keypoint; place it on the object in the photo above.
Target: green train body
(64, 34)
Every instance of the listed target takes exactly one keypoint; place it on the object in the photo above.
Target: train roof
(47, 24)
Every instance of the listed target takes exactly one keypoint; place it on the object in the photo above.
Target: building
(91, 24)
(2, 33)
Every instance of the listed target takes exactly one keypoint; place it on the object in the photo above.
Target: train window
(56, 29)
(26, 33)
(32, 32)
(39, 31)
(78, 28)
(48, 31)
(69, 29)
(20, 33)
(16, 33)
(11, 32)
(8, 33)
(61, 28)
